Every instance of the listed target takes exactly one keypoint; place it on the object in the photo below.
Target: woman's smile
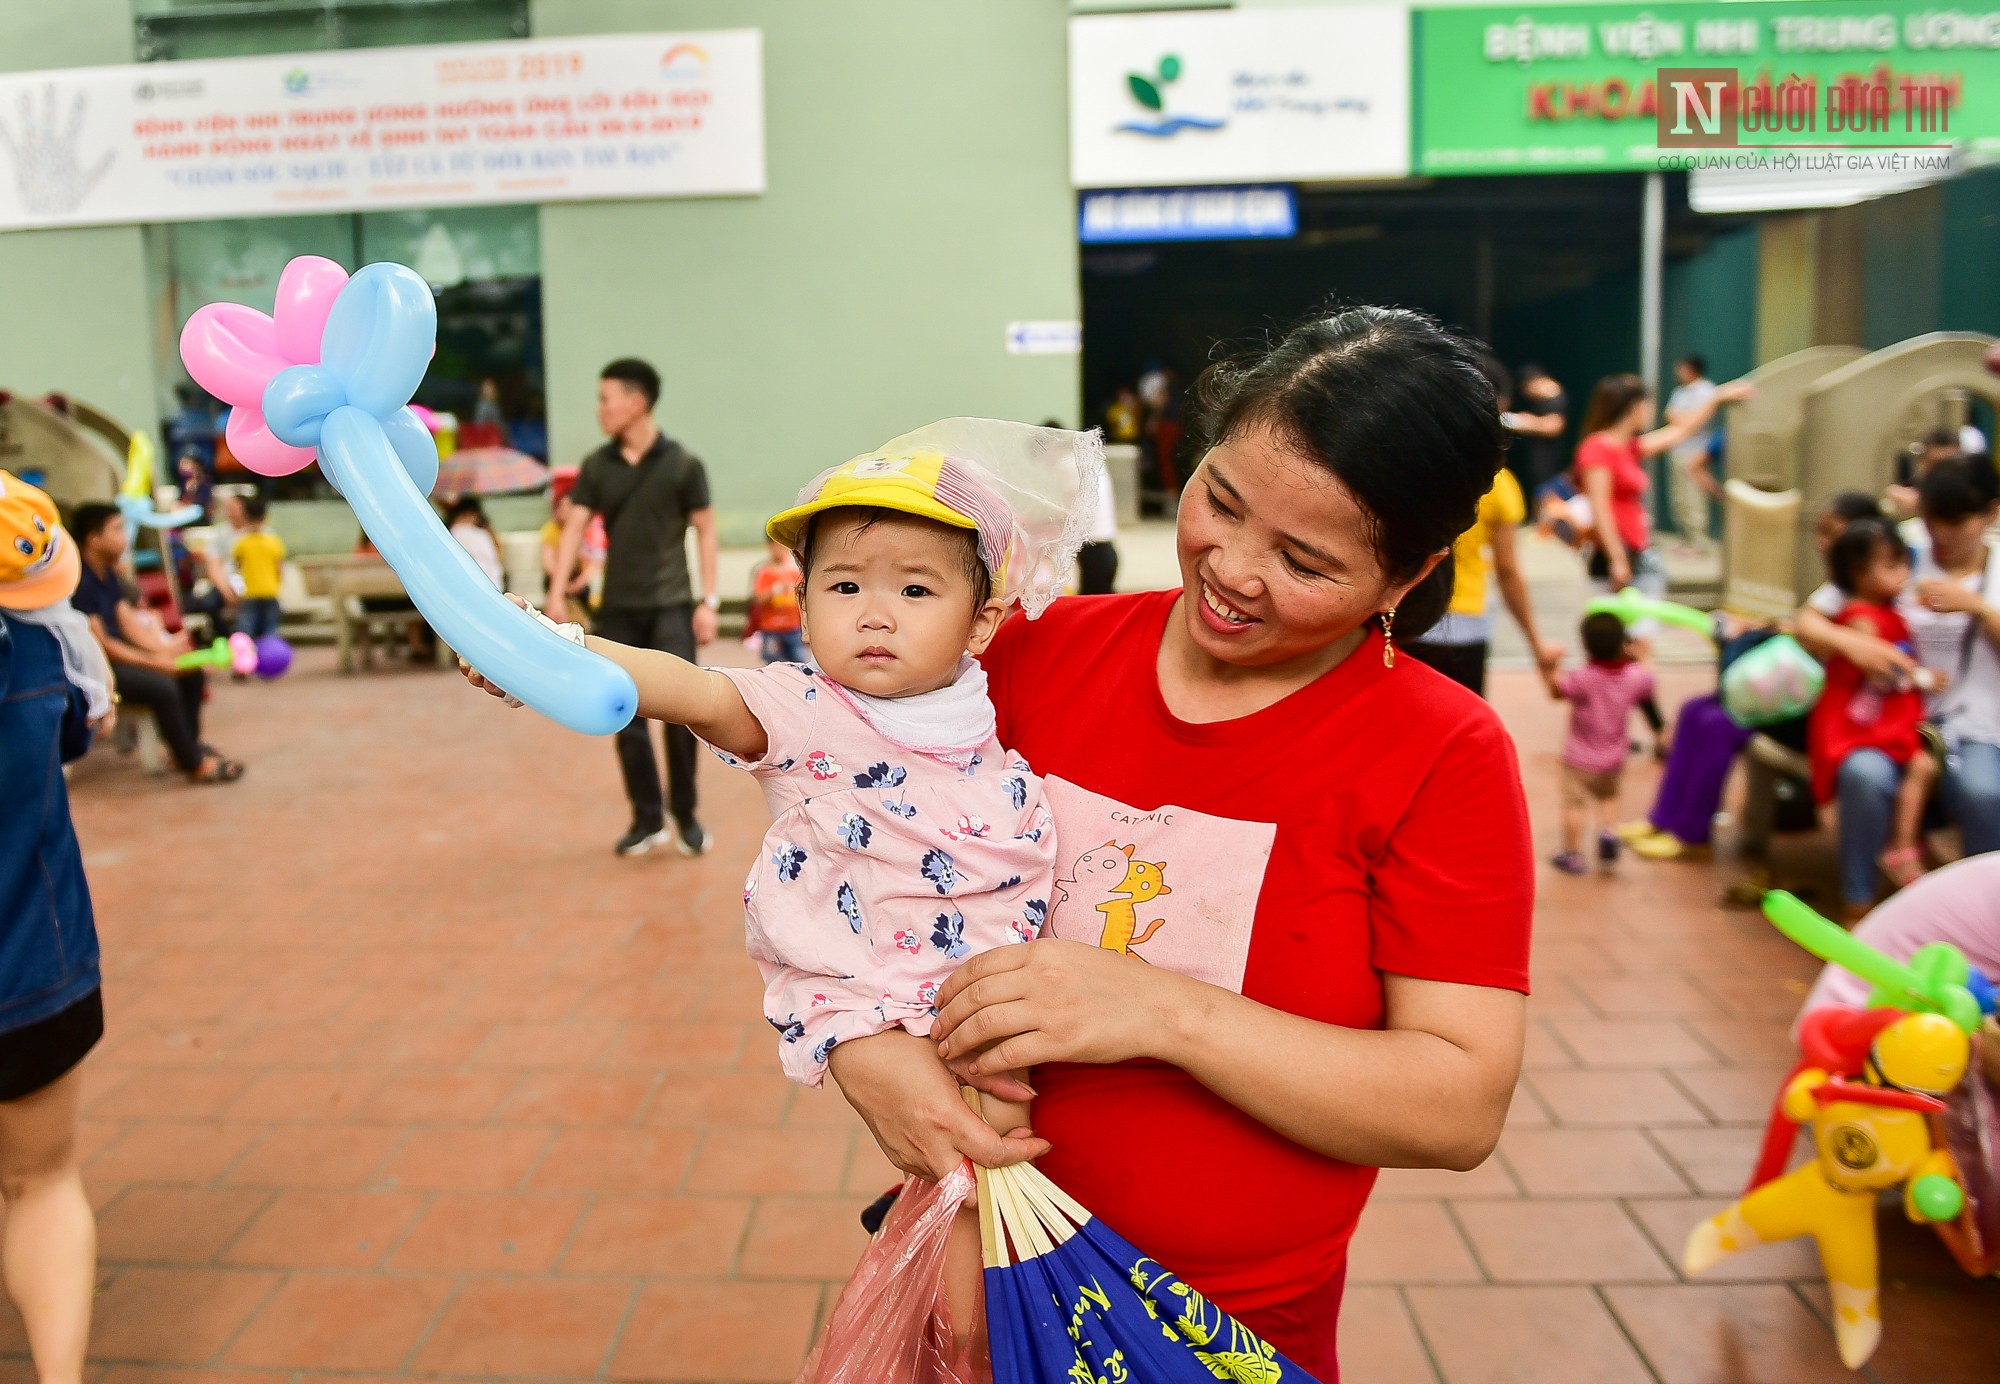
(1220, 615)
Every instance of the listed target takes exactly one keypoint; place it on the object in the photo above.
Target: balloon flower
(1870, 1087)
(267, 657)
(1869, 1113)
(1630, 605)
(216, 655)
(270, 655)
(1933, 981)
(332, 371)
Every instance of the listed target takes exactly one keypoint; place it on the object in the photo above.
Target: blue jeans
(1867, 785)
(257, 616)
(783, 646)
(1972, 794)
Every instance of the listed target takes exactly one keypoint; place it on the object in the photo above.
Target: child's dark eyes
(914, 591)
(847, 588)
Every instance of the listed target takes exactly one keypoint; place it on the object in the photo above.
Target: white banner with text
(542, 120)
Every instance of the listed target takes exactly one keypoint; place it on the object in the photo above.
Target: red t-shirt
(1628, 485)
(1853, 713)
(1372, 821)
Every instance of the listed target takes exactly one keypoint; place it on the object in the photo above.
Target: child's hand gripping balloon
(334, 369)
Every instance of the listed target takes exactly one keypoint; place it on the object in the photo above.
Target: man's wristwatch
(712, 601)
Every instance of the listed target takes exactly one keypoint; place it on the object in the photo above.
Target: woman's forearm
(1679, 430)
(1397, 1097)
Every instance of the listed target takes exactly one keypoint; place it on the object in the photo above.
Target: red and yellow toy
(1871, 1081)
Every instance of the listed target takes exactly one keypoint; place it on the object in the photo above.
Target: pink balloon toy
(233, 351)
(242, 654)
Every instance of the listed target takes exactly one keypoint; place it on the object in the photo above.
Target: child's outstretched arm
(703, 700)
(670, 689)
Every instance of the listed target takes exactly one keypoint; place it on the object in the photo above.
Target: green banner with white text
(1579, 88)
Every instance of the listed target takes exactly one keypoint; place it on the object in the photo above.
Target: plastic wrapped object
(1776, 681)
(890, 1325)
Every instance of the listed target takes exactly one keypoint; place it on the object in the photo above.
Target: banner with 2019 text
(615, 116)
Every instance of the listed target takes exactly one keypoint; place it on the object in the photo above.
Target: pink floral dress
(884, 867)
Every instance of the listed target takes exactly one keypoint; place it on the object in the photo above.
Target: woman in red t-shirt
(1611, 470)
(1289, 938)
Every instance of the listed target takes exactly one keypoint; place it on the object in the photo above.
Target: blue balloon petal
(297, 401)
(379, 336)
(415, 448)
(563, 681)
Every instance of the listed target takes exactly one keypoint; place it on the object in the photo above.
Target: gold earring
(1388, 618)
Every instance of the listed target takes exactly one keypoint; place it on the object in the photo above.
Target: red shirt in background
(774, 598)
(1600, 451)
(1853, 713)
(1372, 821)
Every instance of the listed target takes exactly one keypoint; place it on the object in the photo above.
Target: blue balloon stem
(563, 681)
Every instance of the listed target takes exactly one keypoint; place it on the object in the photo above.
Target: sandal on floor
(220, 770)
(1903, 865)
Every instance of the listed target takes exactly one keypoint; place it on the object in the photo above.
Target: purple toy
(274, 656)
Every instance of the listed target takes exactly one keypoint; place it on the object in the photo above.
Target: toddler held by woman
(905, 836)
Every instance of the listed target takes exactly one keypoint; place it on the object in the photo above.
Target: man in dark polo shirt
(650, 490)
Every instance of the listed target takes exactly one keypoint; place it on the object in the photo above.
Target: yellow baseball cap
(38, 560)
(929, 485)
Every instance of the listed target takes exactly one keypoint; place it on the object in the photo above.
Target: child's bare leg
(1573, 821)
(964, 1264)
(1903, 860)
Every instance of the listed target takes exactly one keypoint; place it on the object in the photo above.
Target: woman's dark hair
(1958, 488)
(1397, 408)
(467, 506)
(1850, 505)
(1860, 545)
(1603, 636)
(1612, 400)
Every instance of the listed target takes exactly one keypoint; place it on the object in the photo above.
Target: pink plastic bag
(890, 1325)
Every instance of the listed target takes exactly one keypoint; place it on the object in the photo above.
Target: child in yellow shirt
(258, 554)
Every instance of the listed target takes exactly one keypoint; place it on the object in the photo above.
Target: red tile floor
(408, 1077)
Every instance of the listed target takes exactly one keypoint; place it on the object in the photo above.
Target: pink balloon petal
(232, 352)
(252, 443)
(306, 291)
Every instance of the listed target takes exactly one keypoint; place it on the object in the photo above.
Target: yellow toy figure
(1868, 1135)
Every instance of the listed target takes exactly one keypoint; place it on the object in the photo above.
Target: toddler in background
(590, 557)
(259, 556)
(1870, 565)
(774, 606)
(1602, 696)
(466, 518)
